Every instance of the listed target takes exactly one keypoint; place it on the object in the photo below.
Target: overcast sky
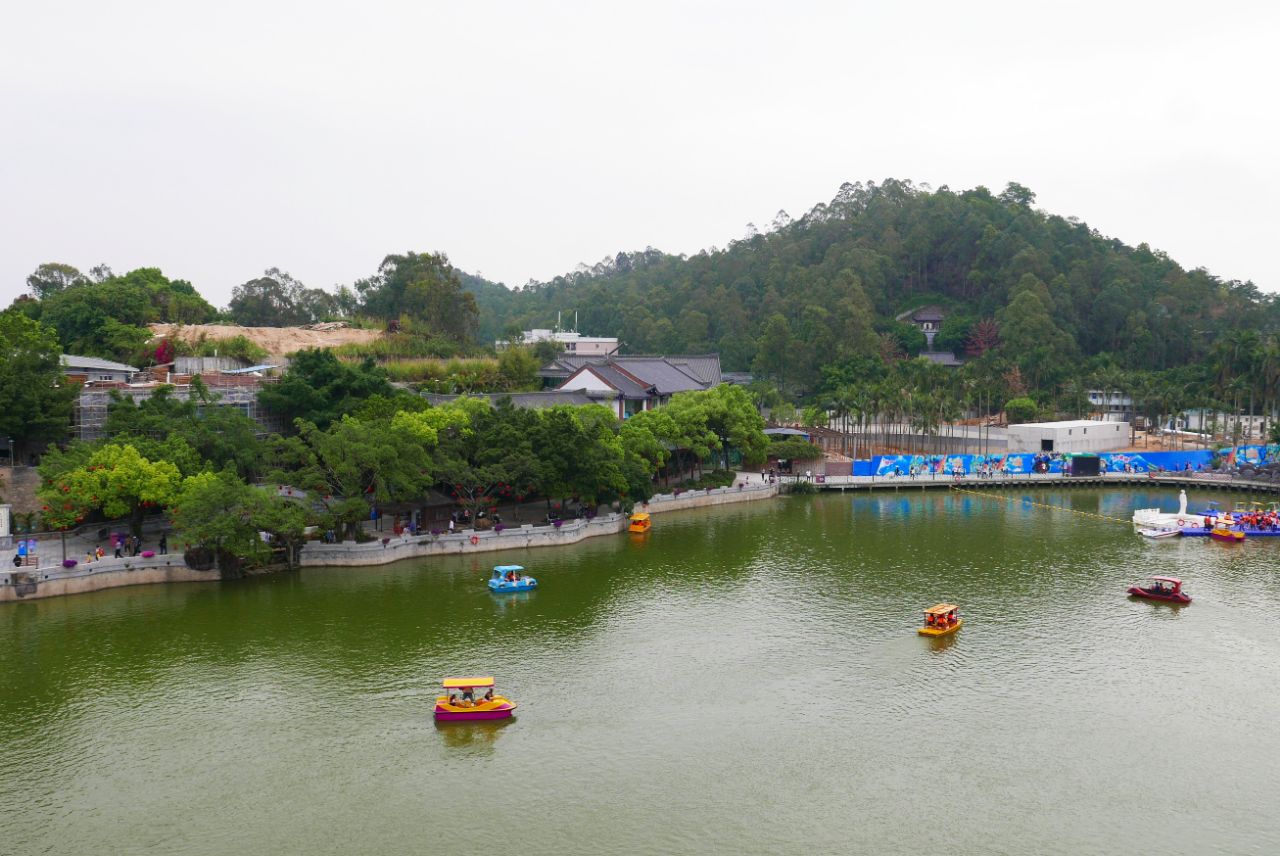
(217, 140)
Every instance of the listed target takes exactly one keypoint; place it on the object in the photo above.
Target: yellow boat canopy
(941, 609)
(640, 516)
(465, 683)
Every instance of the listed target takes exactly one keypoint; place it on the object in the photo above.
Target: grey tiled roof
(74, 361)
(665, 376)
(942, 358)
(621, 382)
(670, 374)
(533, 400)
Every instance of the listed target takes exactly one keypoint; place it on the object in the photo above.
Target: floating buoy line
(1026, 501)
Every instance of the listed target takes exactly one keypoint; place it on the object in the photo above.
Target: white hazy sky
(217, 140)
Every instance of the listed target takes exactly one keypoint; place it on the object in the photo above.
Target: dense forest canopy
(826, 287)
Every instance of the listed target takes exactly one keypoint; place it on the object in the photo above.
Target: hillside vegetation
(1043, 290)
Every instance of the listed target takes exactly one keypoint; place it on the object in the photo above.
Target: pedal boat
(1150, 532)
(460, 706)
(1167, 589)
(639, 523)
(1224, 532)
(509, 578)
(941, 620)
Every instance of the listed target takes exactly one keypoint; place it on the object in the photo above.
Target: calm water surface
(743, 680)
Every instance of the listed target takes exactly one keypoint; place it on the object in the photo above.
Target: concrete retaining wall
(20, 484)
(398, 548)
(102, 574)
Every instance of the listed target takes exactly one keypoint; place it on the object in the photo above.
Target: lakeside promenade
(54, 580)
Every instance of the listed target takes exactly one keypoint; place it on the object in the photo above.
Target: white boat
(1147, 532)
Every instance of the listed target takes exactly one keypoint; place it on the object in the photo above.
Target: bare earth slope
(277, 341)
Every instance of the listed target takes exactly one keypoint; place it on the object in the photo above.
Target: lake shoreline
(38, 584)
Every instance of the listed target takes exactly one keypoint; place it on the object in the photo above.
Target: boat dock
(938, 481)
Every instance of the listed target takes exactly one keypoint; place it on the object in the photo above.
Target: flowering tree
(64, 505)
(116, 479)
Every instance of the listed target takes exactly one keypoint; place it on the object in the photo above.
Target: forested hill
(1046, 291)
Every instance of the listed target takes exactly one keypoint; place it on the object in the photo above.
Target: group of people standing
(128, 546)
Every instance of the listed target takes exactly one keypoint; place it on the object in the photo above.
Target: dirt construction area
(277, 341)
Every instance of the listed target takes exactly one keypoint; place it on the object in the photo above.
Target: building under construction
(238, 390)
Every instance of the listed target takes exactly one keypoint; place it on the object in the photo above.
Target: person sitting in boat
(511, 576)
(453, 699)
(488, 696)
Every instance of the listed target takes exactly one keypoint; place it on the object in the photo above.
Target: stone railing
(394, 548)
(742, 491)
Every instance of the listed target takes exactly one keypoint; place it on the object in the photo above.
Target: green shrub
(1018, 410)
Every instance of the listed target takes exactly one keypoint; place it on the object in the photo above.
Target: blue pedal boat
(509, 578)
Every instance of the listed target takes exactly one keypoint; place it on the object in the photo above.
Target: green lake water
(742, 680)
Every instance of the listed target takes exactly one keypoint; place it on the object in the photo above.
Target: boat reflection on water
(507, 601)
(939, 644)
(472, 734)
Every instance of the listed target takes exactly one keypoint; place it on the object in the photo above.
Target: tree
(518, 368)
(422, 286)
(276, 299)
(114, 478)
(52, 277)
(219, 512)
(217, 434)
(35, 396)
(1031, 338)
(794, 449)
(1017, 194)
(774, 351)
(1019, 410)
(489, 459)
(320, 389)
(955, 333)
(983, 336)
(108, 319)
(734, 420)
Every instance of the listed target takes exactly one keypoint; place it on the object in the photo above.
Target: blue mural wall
(1014, 464)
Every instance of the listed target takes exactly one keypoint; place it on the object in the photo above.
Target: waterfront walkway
(1198, 481)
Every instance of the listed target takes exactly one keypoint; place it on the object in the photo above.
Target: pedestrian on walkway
(118, 543)
(164, 543)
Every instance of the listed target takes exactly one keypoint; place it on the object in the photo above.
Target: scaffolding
(89, 418)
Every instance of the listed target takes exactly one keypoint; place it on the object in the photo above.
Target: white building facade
(1074, 436)
(571, 341)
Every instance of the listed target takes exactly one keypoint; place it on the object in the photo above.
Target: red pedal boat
(1168, 589)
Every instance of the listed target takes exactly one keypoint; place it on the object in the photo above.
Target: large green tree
(219, 512)
(35, 396)
(320, 388)
(425, 287)
(115, 479)
(108, 319)
(276, 299)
